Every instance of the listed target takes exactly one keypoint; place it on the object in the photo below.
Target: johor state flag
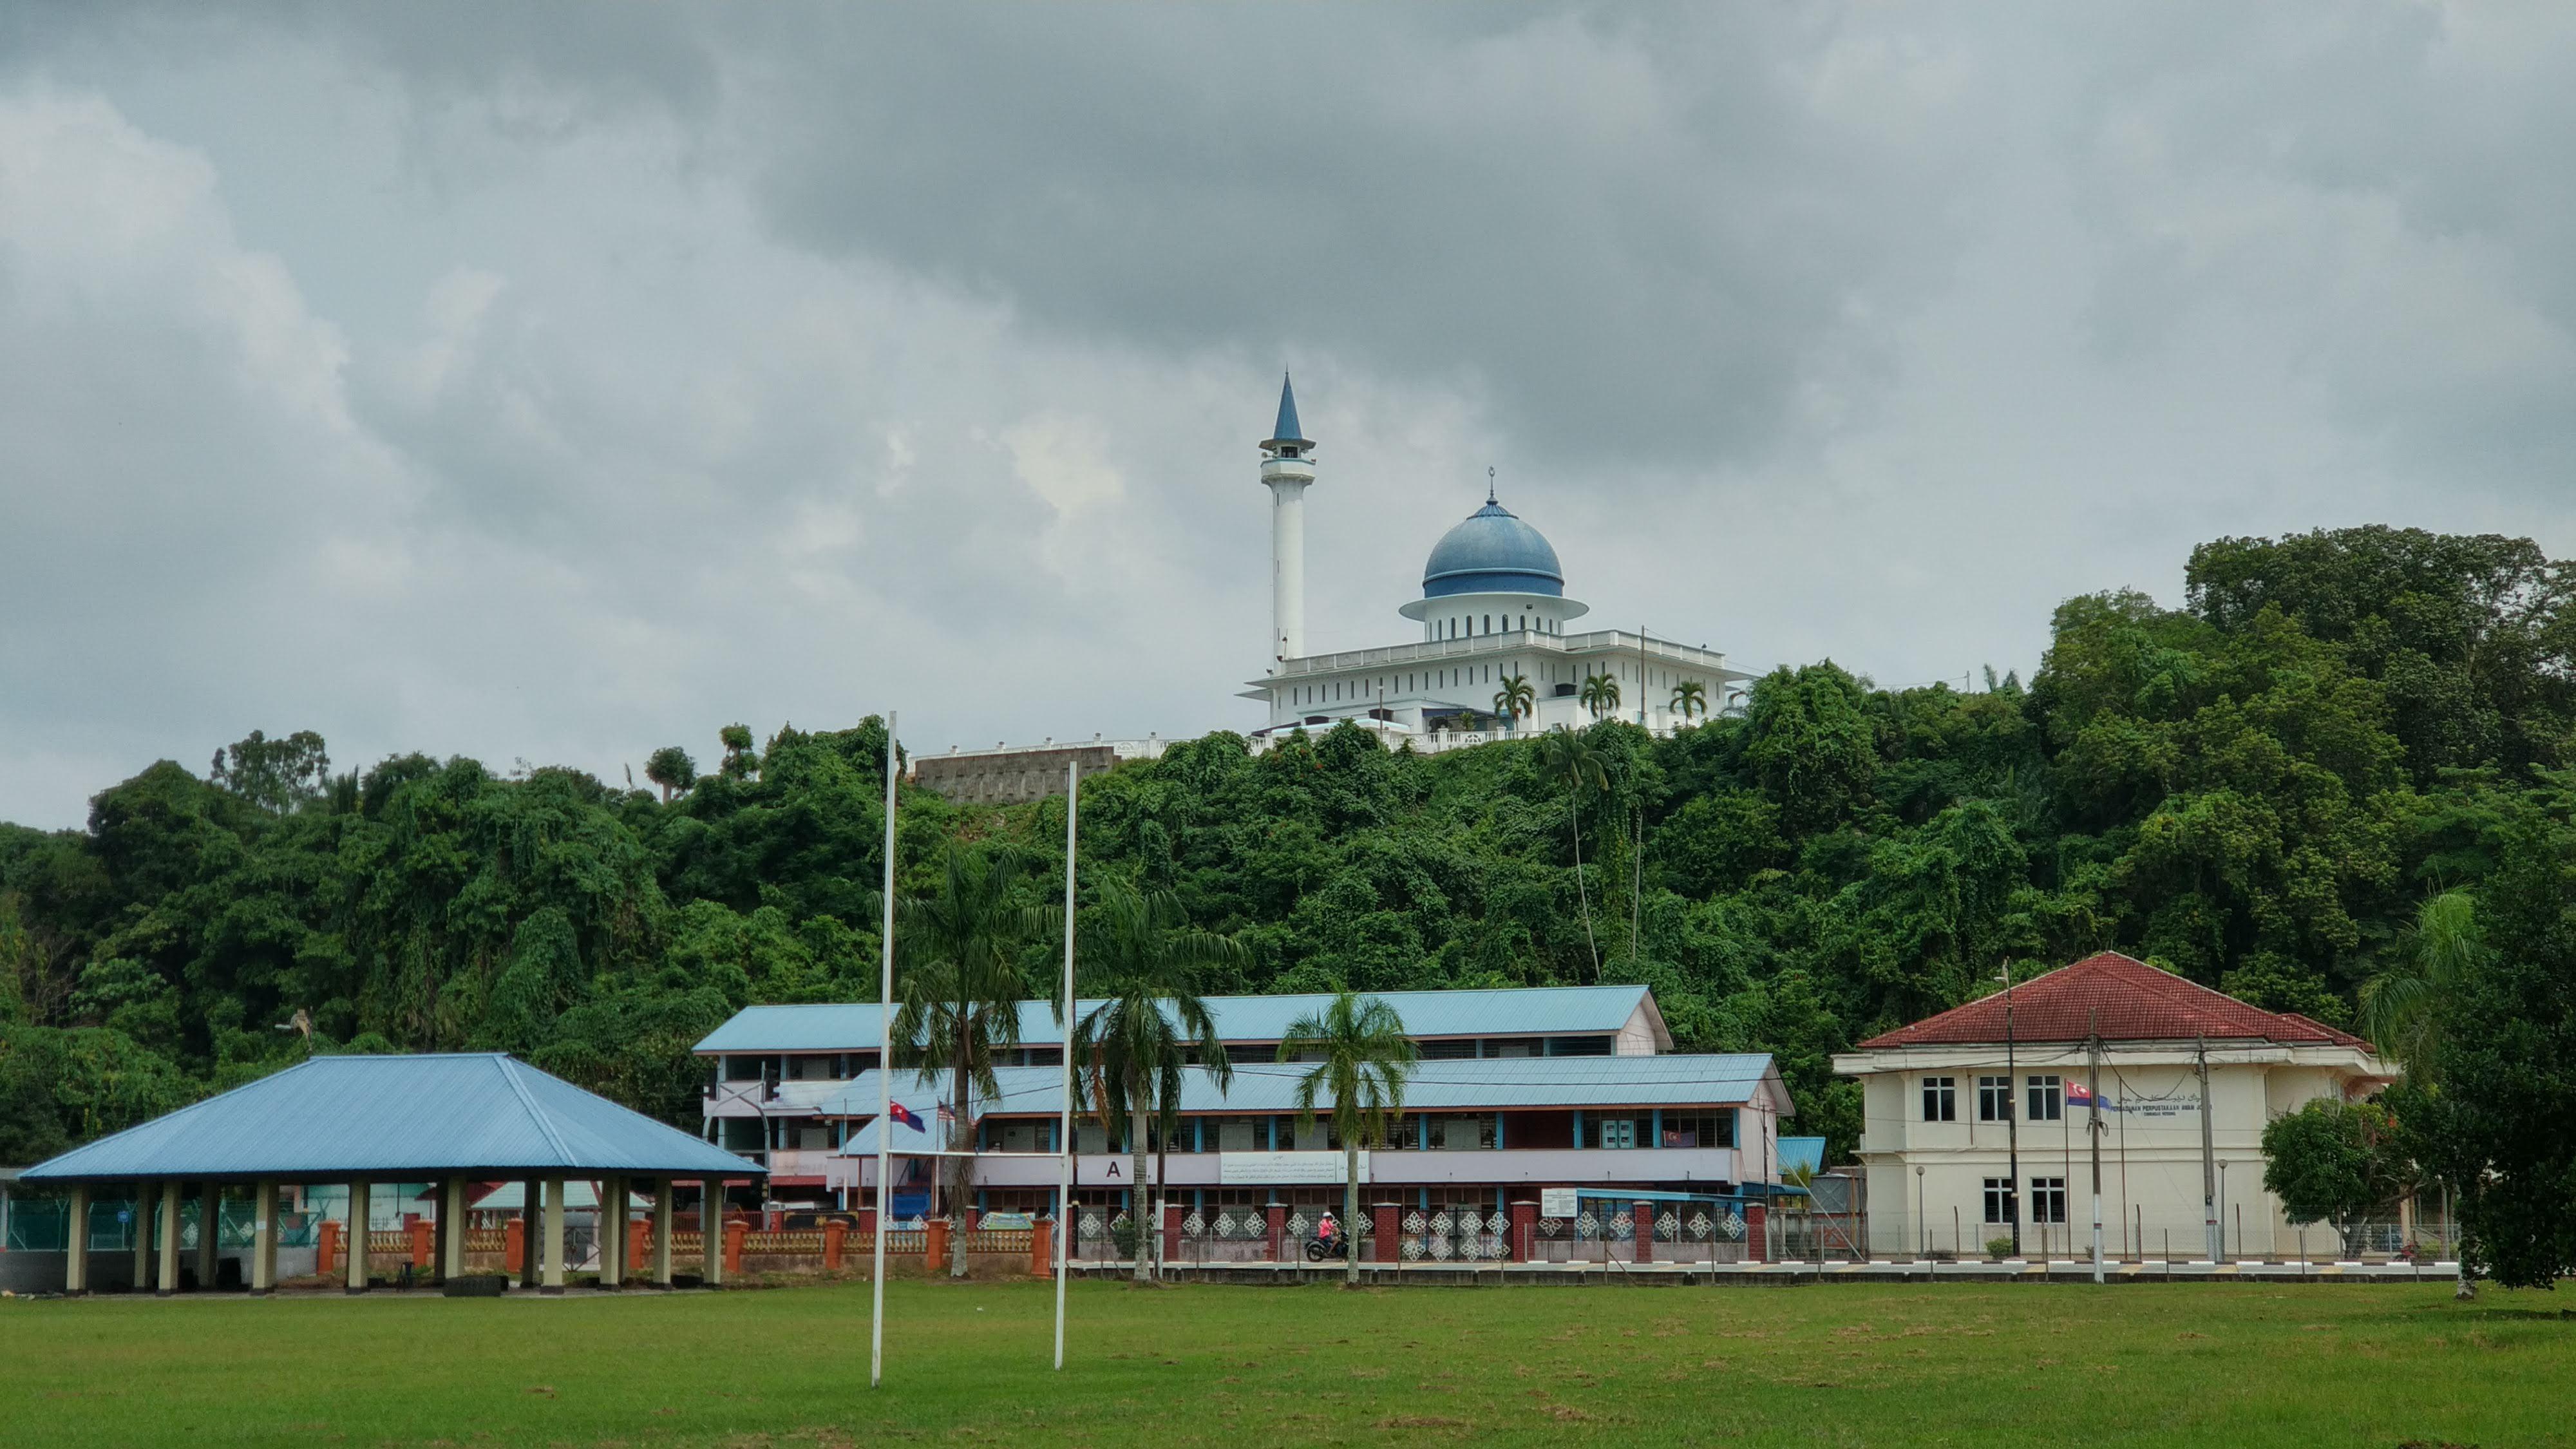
(904, 1115)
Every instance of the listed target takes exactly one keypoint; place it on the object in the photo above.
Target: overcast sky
(548, 383)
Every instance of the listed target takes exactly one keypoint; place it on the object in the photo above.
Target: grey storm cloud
(550, 383)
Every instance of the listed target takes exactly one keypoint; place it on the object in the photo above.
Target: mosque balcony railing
(1598, 641)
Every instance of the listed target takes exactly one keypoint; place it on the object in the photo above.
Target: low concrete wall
(32, 1272)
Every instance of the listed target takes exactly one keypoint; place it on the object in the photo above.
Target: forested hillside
(2258, 790)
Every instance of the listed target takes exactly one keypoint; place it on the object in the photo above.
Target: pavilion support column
(451, 1230)
(612, 1233)
(358, 1216)
(263, 1242)
(142, 1225)
(210, 1231)
(662, 1206)
(554, 1237)
(168, 1282)
(532, 1198)
(76, 1243)
(711, 1233)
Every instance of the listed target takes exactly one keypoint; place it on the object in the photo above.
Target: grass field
(1840, 1364)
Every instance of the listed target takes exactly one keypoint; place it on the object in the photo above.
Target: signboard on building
(1556, 1202)
(1264, 1169)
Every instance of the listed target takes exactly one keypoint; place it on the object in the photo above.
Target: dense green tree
(275, 775)
(2338, 1163)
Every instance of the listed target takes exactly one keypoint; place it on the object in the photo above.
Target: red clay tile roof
(2131, 1000)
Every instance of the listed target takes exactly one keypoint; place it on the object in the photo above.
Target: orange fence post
(514, 1246)
(1042, 1248)
(833, 1234)
(934, 1254)
(734, 1233)
(420, 1245)
(326, 1249)
(637, 1249)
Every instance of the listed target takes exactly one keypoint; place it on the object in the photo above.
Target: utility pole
(2093, 1090)
(2208, 1154)
(2012, 1116)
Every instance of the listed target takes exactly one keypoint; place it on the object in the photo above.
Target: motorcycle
(1317, 1250)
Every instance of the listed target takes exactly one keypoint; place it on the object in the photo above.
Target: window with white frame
(2048, 1199)
(1617, 1132)
(1994, 1099)
(2047, 1098)
(1999, 1200)
(1940, 1099)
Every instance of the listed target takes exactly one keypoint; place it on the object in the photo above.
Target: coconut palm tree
(1516, 700)
(1567, 757)
(2401, 1006)
(1133, 1046)
(958, 993)
(1361, 1060)
(1600, 694)
(1690, 698)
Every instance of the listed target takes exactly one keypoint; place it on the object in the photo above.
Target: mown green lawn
(1839, 1364)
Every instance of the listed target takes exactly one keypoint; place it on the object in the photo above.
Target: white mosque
(1494, 617)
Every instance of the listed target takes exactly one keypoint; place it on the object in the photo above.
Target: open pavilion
(361, 1120)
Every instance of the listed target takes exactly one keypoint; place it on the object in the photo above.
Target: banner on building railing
(1263, 1169)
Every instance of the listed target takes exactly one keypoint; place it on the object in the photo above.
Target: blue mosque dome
(1492, 552)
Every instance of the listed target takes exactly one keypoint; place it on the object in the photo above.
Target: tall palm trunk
(1574, 819)
(961, 1169)
(1136, 1191)
(1350, 1234)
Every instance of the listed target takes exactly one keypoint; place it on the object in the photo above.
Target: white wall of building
(1927, 1180)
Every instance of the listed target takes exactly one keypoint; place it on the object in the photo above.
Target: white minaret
(1286, 469)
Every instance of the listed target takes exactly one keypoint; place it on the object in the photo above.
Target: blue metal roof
(1285, 430)
(1486, 1084)
(332, 1118)
(1551, 1010)
(1798, 1152)
(1492, 552)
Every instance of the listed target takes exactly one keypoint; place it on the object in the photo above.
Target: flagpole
(885, 1081)
(1064, 1130)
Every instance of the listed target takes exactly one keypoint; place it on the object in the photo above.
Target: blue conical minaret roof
(1285, 430)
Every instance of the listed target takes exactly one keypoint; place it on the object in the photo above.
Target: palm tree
(1516, 700)
(1133, 1047)
(1565, 756)
(960, 989)
(2401, 1007)
(1361, 1059)
(1690, 697)
(1600, 694)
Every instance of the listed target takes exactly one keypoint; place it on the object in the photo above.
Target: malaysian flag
(947, 1115)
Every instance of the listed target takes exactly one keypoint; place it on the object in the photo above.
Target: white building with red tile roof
(1978, 1120)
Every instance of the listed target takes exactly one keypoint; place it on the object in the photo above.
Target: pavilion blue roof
(400, 1117)
(1552, 1010)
